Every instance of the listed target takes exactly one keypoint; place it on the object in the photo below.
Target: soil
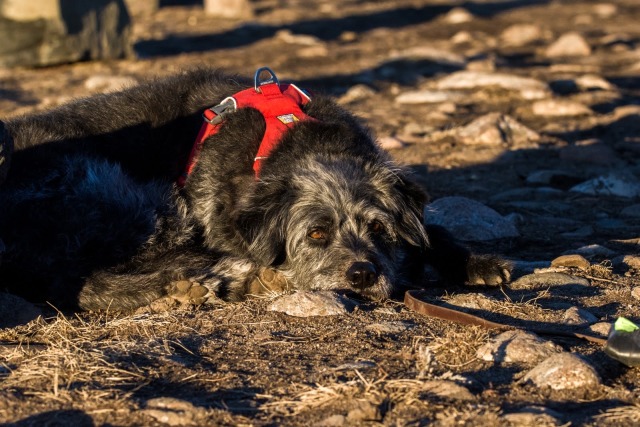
(242, 364)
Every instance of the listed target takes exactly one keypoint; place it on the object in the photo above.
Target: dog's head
(336, 221)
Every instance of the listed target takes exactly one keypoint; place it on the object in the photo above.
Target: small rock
(364, 411)
(600, 328)
(336, 420)
(358, 92)
(318, 51)
(605, 10)
(390, 143)
(578, 233)
(553, 177)
(526, 193)
(545, 280)
(427, 97)
(635, 292)
(431, 54)
(522, 268)
(287, 36)
(559, 108)
(631, 261)
(229, 9)
(614, 184)
(389, 327)
(306, 304)
(527, 87)
(569, 44)
(15, 311)
(592, 251)
(173, 412)
(496, 129)
(447, 389)
(577, 316)
(573, 260)
(517, 347)
(632, 211)
(458, 15)
(591, 82)
(352, 366)
(468, 219)
(532, 417)
(564, 371)
(462, 37)
(102, 83)
(521, 34)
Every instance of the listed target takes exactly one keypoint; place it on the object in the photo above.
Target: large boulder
(48, 32)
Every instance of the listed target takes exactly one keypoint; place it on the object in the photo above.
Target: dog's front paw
(187, 292)
(267, 282)
(488, 270)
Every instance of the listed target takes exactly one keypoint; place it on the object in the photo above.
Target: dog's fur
(91, 216)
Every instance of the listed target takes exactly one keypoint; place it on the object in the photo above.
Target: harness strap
(279, 104)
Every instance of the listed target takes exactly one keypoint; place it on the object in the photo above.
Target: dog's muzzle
(362, 275)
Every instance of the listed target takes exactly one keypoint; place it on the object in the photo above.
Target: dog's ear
(410, 200)
(261, 221)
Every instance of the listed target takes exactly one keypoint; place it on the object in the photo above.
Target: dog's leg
(457, 264)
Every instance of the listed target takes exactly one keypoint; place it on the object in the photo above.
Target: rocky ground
(522, 118)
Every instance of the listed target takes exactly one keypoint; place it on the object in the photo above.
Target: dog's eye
(376, 227)
(317, 234)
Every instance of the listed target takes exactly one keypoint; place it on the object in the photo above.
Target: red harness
(278, 103)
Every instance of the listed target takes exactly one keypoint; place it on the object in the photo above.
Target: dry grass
(457, 347)
(622, 415)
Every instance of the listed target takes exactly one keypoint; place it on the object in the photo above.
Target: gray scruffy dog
(92, 218)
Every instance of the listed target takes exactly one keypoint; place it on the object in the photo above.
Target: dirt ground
(380, 364)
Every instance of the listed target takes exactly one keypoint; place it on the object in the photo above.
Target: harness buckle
(271, 79)
(228, 105)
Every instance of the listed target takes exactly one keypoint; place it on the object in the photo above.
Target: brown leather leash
(413, 302)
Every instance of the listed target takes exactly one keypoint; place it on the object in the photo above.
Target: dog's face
(337, 223)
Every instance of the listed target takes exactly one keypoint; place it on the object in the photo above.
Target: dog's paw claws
(487, 270)
(267, 282)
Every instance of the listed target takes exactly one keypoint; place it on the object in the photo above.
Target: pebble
(552, 177)
(568, 44)
(336, 420)
(527, 193)
(545, 280)
(173, 412)
(559, 108)
(579, 317)
(307, 303)
(496, 129)
(229, 9)
(447, 389)
(432, 54)
(390, 143)
(528, 88)
(600, 328)
(572, 260)
(532, 416)
(564, 371)
(287, 36)
(592, 251)
(578, 233)
(468, 219)
(458, 15)
(615, 184)
(523, 268)
(363, 411)
(15, 311)
(104, 83)
(355, 93)
(517, 347)
(591, 82)
(605, 10)
(518, 35)
(428, 97)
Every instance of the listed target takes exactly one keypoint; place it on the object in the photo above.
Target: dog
(109, 203)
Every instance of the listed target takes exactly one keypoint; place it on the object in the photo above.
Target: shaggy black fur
(91, 216)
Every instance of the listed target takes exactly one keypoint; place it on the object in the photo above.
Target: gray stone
(50, 32)
(559, 108)
(447, 389)
(567, 45)
(527, 87)
(428, 97)
(525, 193)
(592, 251)
(593, 82)
(521, 34)
(458, 15)
(16, 311)
(517, 347)
(523, 268)
(306, 304)
(431, 54)
(600, 328)
(564, 371)
(468, 219)
(532, 416)
(578, 316)
(593, 152)
(549, 176)
(578, 233)
(614, 184)
(496, 129)
(336, 420)
(173, 412)
(545, 280)
(389, 327)
(229, 9)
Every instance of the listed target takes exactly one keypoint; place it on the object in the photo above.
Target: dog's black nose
(362, 275)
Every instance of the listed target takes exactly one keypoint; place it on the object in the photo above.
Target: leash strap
(279, 104)
(413, 302)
